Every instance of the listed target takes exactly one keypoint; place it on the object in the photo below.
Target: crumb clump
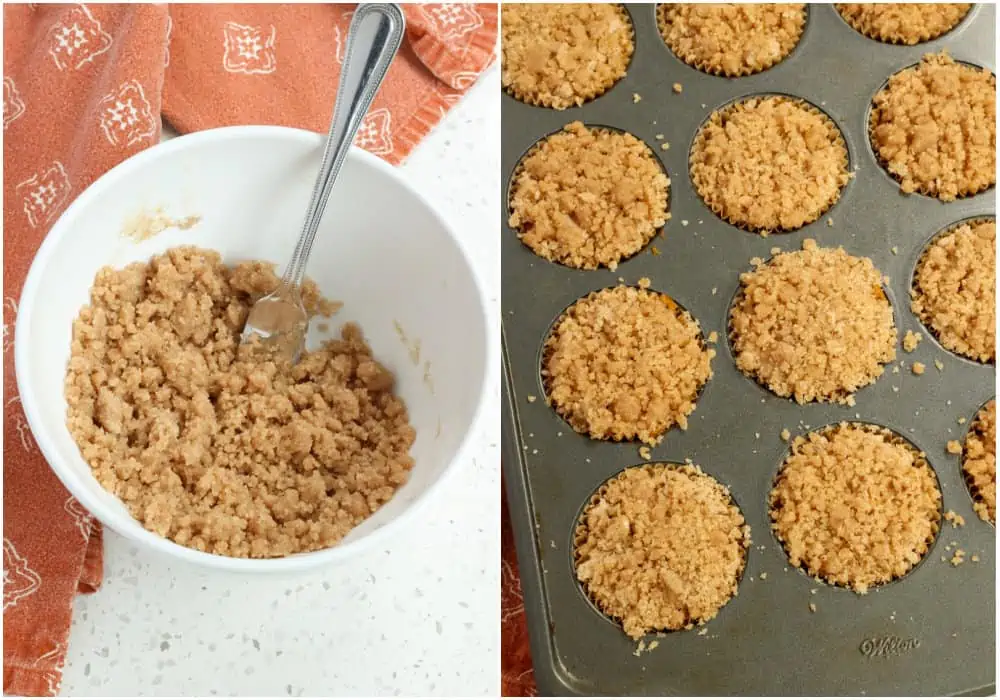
(769, 164)
(731, 39)
(855, 505)
(933, 127)
(221, 447)
(954, 447)
(955, 519)
(979, 462)
(813, 325)
(910, 341)
(661, 547)
(588, 198)
(562, 55)
(903, 23)
(954, 289)
(625, 363)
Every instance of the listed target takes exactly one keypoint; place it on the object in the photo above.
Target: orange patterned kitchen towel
(84, 88)
(517, 675)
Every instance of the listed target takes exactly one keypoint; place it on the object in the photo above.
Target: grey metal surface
(765, 641)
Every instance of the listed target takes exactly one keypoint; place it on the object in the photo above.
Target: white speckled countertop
(418, 617)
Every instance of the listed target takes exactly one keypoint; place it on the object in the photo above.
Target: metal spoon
(376, 31)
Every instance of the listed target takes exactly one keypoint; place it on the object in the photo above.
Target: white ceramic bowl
(381, 249)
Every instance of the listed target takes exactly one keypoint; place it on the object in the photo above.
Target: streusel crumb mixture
(588, 198)
(561, 55)
(954, 289)
(769, 164)
(855, 505)
(661, 547)
(813, 325)
(979, 462)
(731, 38)
(625, 363)
(222, 447)
(934, 128)
(903, 22)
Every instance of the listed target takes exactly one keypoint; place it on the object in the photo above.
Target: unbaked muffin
(661, 547)
(903, 22)
(813, 325)
(731, 39)
(979, 462)
(954, 289)
(588, 197)
(625, 363)
(769, 164)
(855, 505)
(933, 127)
(562, 55)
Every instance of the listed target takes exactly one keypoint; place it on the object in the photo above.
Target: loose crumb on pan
(588, 197)
(532, 399)
(954, 289)
(731, 39)
(625, 363)
(661, 547)
(954, 447)
(812, 607)
(786, 435)
(813, 325)
(933, 127)
(903, 23)
(979, 462)
(918, 368)
(221, 447)
(954, 518)
(678, 88)
(562, 55)
(855, 505)
(910, 341)
(769, 164)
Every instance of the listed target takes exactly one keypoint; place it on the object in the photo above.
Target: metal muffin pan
(930, 633)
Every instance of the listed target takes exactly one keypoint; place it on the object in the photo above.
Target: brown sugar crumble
(562, 55)
(954, 289)
(769, 164)
(813, 325)
(933, 127)
(955, 519)
(979, 462)
(661, 547)
(731, 39)
(625, 363)
(588, 198)
(903, 23)
(221, 447)
(910, 341)
(855, 505)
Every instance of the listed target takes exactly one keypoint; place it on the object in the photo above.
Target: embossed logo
(889, 645)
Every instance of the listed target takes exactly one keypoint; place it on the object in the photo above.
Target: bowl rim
(129, 527)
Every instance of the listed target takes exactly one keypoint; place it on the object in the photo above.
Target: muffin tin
(930, 633)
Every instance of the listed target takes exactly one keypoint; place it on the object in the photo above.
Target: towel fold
(84, 88)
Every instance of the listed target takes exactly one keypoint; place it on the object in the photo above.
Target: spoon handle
(372, 42)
